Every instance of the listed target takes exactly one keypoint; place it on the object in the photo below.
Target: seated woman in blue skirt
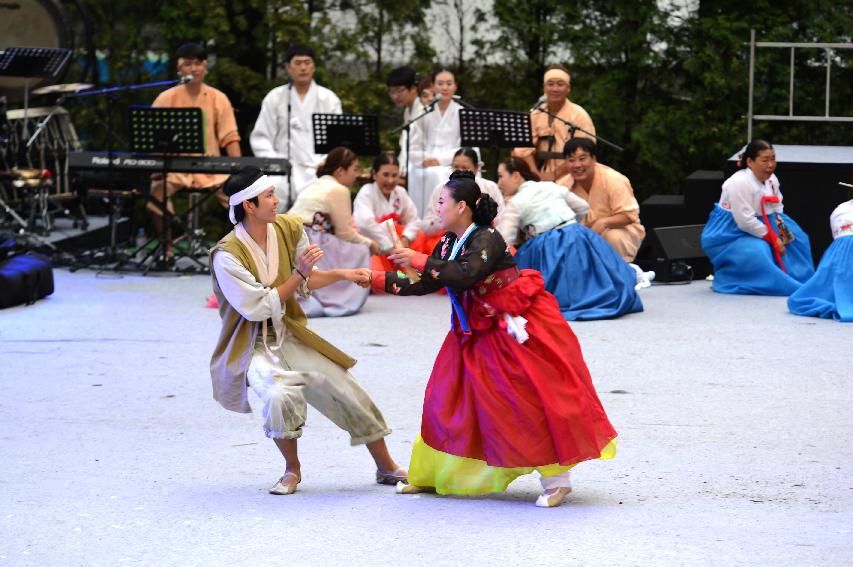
(755, 247)
(586, 275)
(829, 292)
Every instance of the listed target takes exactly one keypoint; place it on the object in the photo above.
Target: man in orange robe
(550, 134)
(220, 129)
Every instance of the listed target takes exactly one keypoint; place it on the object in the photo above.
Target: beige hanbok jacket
(234, 348)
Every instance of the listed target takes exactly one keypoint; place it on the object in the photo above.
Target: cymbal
(62, 89)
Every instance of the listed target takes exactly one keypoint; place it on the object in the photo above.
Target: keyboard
(179, 164)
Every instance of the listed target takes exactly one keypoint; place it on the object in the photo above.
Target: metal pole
(828, 63)
(791, 86)
(751, 80)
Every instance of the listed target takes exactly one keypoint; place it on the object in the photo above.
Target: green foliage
(671, 89)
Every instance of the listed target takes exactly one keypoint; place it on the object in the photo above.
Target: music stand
(29, 62)
(165, 131)
(358, 132)
(495, 129)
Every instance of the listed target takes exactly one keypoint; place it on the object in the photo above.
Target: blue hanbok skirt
(586, 275)
(744, 264)
(829, 292)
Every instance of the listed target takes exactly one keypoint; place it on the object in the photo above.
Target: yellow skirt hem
(451, 474)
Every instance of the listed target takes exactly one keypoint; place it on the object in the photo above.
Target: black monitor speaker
(677, 255)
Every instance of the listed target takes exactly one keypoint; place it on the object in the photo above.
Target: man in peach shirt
(220, 129)
(613, 210)
(551, 134)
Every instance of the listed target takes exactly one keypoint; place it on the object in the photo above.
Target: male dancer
(257, 269)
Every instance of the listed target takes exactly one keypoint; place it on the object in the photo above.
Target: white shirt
(431, 224)
(370, 204)
(540, 205)
(408, 113)
(269, 137)
(841, 220)
(741, 196)
(245, 293)
(436, 135)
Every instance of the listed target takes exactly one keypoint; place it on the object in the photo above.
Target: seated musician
(326, 211)
(220, 129)
(384, 199)
(551, 134)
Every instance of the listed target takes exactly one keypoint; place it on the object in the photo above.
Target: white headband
(556, 74)
(260, 185)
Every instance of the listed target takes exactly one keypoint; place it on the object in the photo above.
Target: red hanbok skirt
(495, 408)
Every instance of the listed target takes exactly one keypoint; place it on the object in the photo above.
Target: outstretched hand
(309, 258)
(359, 276)
(402, 257)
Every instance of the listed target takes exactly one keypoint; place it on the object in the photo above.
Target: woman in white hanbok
(435, 138)
(326, 211)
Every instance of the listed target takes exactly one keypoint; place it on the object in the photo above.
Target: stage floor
(734, 420)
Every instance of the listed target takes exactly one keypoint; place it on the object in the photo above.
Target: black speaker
(662, 210)
(701, 191)
(677, 255)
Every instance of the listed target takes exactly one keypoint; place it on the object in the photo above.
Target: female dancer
(509, 392)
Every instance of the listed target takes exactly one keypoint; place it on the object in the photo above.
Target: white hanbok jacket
(269, 137)
(370, 204)
(541, 206)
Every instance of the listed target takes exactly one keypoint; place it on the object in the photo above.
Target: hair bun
(485, 210)
(462, 174)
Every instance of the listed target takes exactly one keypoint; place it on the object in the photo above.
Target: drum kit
(36, 43)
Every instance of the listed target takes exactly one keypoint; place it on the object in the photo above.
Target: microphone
(458, 100)
(538, 103)
(185, 79)
(434, 101)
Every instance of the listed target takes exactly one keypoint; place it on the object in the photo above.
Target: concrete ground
(734, 419)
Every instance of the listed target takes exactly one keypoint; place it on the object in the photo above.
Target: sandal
(283, 486)
(553, 498)
(403, 488)
(393, 477)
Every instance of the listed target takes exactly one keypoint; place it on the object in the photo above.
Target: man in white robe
(294, 103)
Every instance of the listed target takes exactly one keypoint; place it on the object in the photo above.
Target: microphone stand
(112, 96)
(458, 100)
(575, 128)
(290, 198)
